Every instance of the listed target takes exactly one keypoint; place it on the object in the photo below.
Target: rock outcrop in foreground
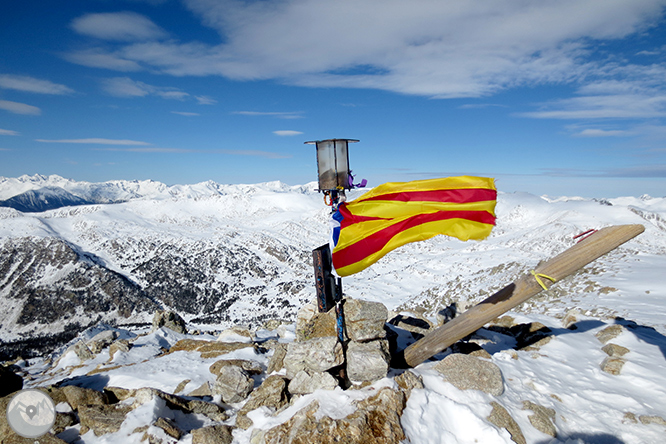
(266, 386)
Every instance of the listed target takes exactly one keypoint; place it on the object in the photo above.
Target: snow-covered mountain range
(241, 254)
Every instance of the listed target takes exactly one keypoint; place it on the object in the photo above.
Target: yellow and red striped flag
(396, 213)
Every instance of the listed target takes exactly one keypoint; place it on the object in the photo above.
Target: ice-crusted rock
(237, 333)
(364, 320)
(233, 383)
(315, 355)
(367, 361)
(470, 373)
(304, 382)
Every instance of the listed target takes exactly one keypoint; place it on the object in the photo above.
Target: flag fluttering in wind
(396, 213)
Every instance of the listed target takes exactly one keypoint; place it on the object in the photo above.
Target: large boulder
(305, 383)
(315, 355)
(233, 383)
(470, 373)
(367, 361)
(376, 420)
(364, 320)
(77, 396)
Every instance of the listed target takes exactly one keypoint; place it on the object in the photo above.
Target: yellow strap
(538, 277)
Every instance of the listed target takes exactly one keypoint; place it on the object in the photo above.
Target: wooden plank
(527, 286)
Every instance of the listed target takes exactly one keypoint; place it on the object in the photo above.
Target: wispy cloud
(184, 113)
(205, 100)
(636, 171)
(281, 115)
(119, 26)
(423, 47)
(19, 108)
(4, 132)
(287, 133)
(126, 87)
(147, 150)
(31, 84)
(102, 58)
(96, 141)
(596, 132)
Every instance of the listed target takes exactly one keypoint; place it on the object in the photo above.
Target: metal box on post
(333, 163)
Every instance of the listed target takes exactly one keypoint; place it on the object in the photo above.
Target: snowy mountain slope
(239, 254)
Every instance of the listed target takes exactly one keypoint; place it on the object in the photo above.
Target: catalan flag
(396, 213)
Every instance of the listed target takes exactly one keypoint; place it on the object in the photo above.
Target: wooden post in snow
(557, 268)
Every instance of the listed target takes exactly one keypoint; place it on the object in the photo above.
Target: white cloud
(97, 141)
(183, 113)
(205, 100)
(281, 115)
(595, 132)
(31, 84)
(424, 47)
(126, 87)
(19, 108)
(287, 133)
(4, 132)
(120, 26)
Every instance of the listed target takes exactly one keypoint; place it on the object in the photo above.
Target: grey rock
(652, 419)
(615, 350)
(315, 355)
(102, 340)
(470, 373)
(276, 361)
(233, 383)
(367, 361)
(418, 326)
(542, 419)
(612, 365)
(272, 393)
(203, 390)
(217, 434)
(121, 345)
(252, 367)
(169, 427)
(77, 396)
(170, 320)
(409, 381)
(610, 332)
(364, 320)
(304, 383)
(500, 417)
(376, 420)
(102, 419)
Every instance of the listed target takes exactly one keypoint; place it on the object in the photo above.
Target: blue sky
(558, 97)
